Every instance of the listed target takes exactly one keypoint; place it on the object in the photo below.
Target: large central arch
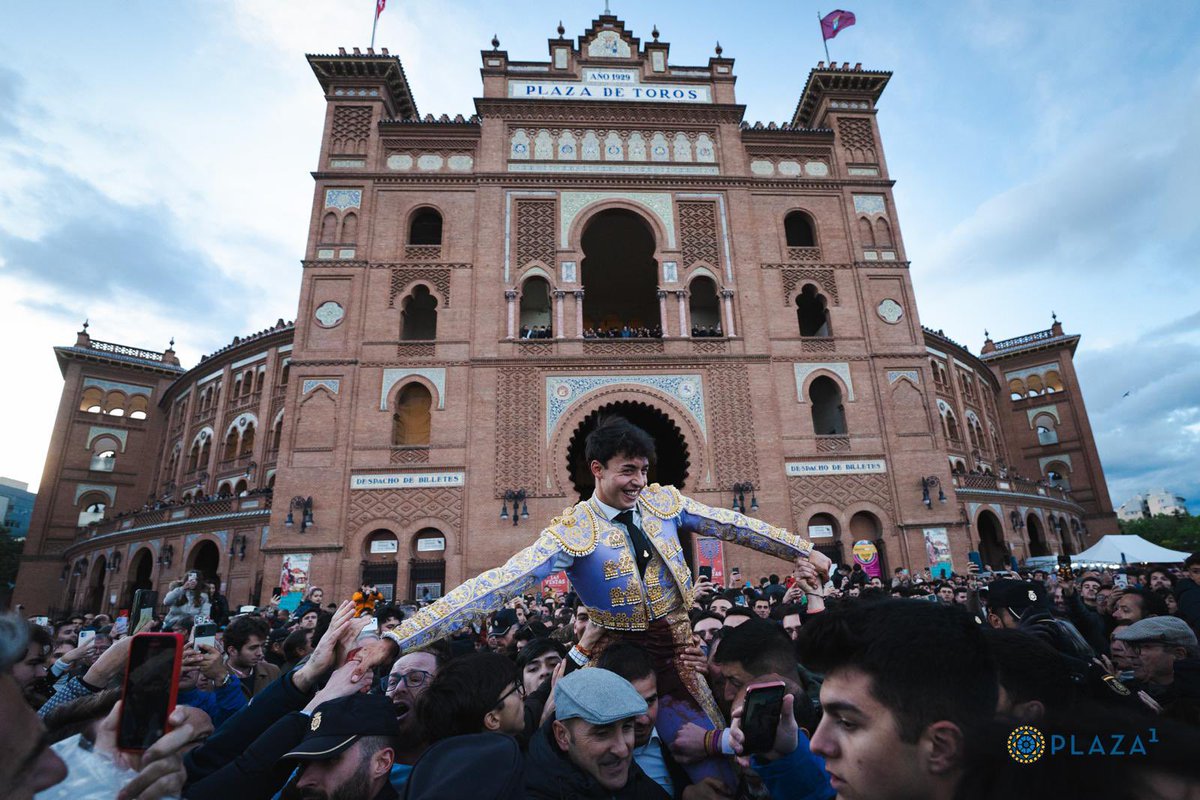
(670, 468)
(620, 275)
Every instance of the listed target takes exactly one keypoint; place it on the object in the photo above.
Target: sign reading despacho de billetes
(609, 84)
(846, 467)
(407, 480)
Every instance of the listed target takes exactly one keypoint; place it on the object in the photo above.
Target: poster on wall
(711, 553)
(293, 579)
(556, 583)
(866, 556)
(937, 549)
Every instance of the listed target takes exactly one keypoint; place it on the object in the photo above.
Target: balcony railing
(178, 512)
(125, 350)
(1012, 485)
(1028, 338)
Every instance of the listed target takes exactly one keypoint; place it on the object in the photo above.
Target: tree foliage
(1180, 532)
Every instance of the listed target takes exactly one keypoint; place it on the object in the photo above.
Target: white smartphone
(247, 609)
(372, 626)
(205, 634)
(86, 635)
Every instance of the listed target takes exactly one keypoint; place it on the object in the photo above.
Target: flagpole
(375, 25)
(824, 41)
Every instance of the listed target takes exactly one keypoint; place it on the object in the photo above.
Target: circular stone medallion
(890, 311)
(329, 314)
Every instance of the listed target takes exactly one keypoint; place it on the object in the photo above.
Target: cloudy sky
(155, 158)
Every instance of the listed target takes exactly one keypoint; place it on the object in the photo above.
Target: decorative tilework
(400, 161)
(460, 163)
(508, 223)
(108, 491)
(429, 162)
(864, 172)
(342, 199)
(889, 311)
(564, 392)
(869, 204)
(659, 203)
(839, 368)
(789, 169)
(568, 272)
(393, 376)
(763, 168)
(896, 374)
(816, 169)
(329, 314)
(619, 169)
(96, 432)
(332, 384)
(109, 386)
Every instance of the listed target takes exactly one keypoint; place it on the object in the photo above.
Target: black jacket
(550, 775)
(239, 731)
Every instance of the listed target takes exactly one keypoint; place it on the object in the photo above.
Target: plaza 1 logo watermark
(1027, 744)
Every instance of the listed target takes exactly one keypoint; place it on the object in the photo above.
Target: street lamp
(305, 505)
(928, 482)
(517, 498)
(739, 497)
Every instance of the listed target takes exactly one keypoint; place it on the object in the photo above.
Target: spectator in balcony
(184, 599)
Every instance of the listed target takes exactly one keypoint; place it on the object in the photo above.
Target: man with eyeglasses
(1158, 643)
(409, 677)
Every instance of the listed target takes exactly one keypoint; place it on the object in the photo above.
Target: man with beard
(347, 752)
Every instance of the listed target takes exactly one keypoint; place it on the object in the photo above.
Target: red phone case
(178, 663)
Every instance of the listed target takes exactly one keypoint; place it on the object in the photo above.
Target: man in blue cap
(586, 751)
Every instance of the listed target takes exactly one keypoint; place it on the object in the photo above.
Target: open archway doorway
(1037, 538)
(620, 276)
(205, 559)
(669, 469)
(140, 572)
(991, 542)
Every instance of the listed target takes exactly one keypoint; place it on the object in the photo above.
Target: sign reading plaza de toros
(608, 84)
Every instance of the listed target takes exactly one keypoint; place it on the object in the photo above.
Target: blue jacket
(800, 775)
(220, 704)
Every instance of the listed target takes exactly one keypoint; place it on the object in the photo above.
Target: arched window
(92, 400)
(283, 374)
(93, 511)
(973, 430)
(241, 487)
(104, 461)
(205, 452)
(426, 227)
(866, 233)
(1016, 389)
(828, 413)
(247, 446)
(1034, 385)
(225, 490)
(350, 228)
(277, 433)
(419, 315)
(248, 382)
(799, 230)
(1056, 475)
(883, 233)
(1053, 381)
(704, 307)
(535, 309)
(114, 404)
(811, 312)
(950, 425)
(193, 457)
(138, 407)
(260, 380)
(412, 420)
(329, 227)
(231, 445)
(1047, 429)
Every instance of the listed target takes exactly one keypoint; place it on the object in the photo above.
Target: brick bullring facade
(605, 235)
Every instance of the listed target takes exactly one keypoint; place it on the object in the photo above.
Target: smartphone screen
(144, 602)
(706, 572)
(760, 718)
(205, 634)
(151, 683)
(86, 635)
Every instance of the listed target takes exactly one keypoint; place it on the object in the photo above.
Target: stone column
(578, 313)
(662, 312)
(510, 296)
(728, 295)
(558, 313)
(684, 329)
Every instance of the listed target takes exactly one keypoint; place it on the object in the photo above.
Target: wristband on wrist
(578, 656)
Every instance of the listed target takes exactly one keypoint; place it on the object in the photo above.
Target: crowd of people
(907, 687)
(623, 332)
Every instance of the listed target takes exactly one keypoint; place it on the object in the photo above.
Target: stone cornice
(553, 180)
(595, 112)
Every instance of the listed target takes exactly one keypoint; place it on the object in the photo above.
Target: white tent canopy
(1127, 549)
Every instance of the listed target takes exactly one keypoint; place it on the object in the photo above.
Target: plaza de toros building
(606, 234)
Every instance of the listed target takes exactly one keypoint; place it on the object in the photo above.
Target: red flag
(831, 24)
(379, 4)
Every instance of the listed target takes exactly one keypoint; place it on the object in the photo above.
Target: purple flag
(833, 22)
